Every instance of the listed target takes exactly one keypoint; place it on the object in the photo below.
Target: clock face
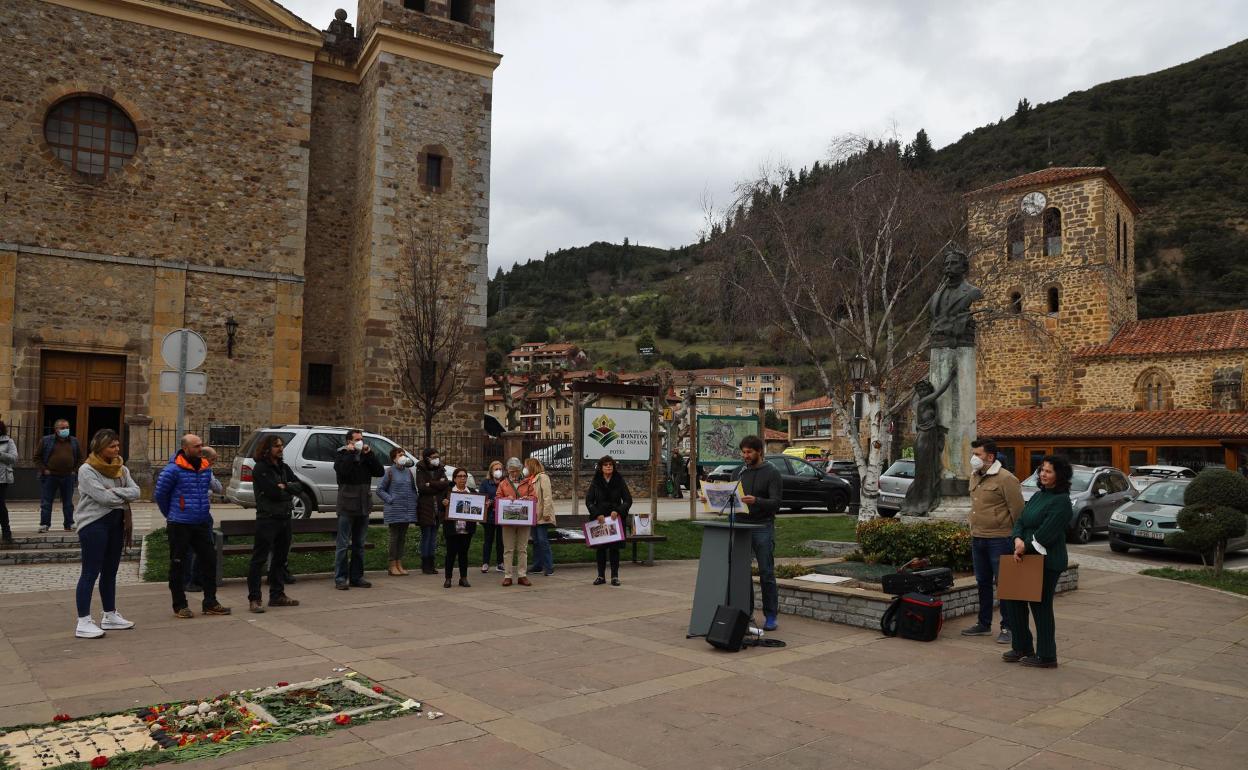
(1033, 203)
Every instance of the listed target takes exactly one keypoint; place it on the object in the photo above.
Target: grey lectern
(712, 586)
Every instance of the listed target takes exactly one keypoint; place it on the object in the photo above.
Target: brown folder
(1021, 581)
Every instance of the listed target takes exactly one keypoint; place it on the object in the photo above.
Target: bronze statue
(950, 307)
(929, 443)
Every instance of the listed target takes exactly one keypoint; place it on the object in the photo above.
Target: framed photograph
(723, 497)
(466, 507)
(515, 513)
(609, 531)
(643, 524)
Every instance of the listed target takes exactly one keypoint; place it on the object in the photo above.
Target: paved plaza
(1154, 675)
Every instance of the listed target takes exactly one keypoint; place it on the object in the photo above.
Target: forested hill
(1177, 139)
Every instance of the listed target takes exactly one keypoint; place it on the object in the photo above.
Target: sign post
(185, 351)
(625, 444)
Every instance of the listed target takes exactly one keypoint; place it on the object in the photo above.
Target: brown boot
(255, 605)
(399, 565)
(392, 570)
(283, 601)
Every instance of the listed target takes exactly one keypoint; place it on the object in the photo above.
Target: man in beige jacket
(996, 503)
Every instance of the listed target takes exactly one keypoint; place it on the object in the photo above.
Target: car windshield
(1163, 493)
(902, 469)
(1079, 481)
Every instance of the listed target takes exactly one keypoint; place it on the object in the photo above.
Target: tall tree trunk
(1219, 555)
(428, 428)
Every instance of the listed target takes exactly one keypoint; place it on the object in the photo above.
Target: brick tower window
(1016, 302)
(415, 5)
(1153, 391)
(434, 169)
(1014, 237)
(90, 134)
(461, 11)
(1052, 232)
(320, 379)
(1055, 300)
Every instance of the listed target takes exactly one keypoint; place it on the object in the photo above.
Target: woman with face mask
(493, 533)
(458, 534)
(543, 557)
(515, 539)
(433, 486)
(398, 491)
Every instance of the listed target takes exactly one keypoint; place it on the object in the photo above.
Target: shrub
(1215, 510)
(889, 541)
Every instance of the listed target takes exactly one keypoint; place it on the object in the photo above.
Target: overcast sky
(616, 118)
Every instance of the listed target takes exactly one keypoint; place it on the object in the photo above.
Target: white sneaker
(87, 629)
(113, 621)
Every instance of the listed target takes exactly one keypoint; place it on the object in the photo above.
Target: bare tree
(432, 330)
(513, 400)
(844, 268)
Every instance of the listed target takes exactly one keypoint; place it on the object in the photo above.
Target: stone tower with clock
(1053, 251)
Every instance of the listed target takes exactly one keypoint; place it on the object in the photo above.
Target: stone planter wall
(864, 608)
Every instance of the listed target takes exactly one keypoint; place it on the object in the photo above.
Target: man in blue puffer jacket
(182, 494)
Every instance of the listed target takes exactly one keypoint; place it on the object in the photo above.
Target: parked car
(812, 453)
(1095, 493)
(310, 452)
(554, 457)
(805, 486)
(893, 485)
(1144, 475)
(848, 470)
(1145, 521)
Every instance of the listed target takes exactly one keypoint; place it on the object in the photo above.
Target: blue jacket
(398, 491)
(182, 492)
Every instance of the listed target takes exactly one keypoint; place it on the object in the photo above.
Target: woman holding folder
(1043, 523)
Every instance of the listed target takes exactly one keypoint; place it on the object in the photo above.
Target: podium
(713, 576)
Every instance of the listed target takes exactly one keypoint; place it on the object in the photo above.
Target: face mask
(405, 462)
(63, 433)
(976, 463)
(525, 473)
(359, 445)
(498, 474)
(435, 462)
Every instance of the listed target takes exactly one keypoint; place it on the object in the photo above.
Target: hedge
(889, 541)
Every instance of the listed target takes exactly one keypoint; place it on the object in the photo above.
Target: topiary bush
(1215, 510)
(889, 541)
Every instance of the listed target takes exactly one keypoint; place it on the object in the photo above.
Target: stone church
(225, 166)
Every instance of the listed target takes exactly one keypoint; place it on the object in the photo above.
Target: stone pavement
(565, 674)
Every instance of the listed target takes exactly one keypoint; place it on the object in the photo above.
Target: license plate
(1150, 535)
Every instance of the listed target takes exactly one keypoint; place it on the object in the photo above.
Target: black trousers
(273, 538)
(493, 541)
(185, 539)
(611, 552)
(457, 544)
(7, 532)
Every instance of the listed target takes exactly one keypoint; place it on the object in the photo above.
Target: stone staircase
(54, 548)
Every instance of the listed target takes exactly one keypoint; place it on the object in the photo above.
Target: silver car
(1095, 493)
(1145, 521)
(893, 485)
(310, 452)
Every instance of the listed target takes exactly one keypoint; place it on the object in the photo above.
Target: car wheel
(1081, 534)
(302, 506)
(886, 513)
(837, 502)
(1118, 547)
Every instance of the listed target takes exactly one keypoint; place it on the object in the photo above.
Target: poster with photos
(609, 531)
(466, 507)
(515, 513)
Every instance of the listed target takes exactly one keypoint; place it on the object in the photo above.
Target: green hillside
(1177, 139)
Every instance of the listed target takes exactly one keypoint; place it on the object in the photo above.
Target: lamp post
(231, 328)
(856, 365)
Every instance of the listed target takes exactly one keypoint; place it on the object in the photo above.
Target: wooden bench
(247, 528)
(577, 523)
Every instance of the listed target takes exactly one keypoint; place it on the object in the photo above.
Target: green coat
(1046, 516)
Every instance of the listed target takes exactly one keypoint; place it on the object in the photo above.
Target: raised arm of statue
(928, 399)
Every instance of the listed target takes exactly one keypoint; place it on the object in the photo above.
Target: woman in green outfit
(1044, 520)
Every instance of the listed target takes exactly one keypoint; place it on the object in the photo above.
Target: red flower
(378, 688)
(282, 684)
(100, 761)
(149, 718)
(343, 719)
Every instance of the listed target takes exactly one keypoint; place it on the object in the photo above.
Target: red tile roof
(811, 405)
(1054, 175)
(1225, 330)
(774, 435)
(1074, 424)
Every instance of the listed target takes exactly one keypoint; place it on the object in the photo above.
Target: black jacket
(273, 502)
(434, 488)
(605, 496)
(763, 482)
(357, 467)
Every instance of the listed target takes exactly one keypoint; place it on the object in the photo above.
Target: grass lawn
(1235, 581)
(684, 541)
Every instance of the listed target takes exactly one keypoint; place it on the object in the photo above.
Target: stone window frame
(1053, 299)
(1154, 390)
(460, 11)
(422, 160)
(1014, 225)
(51, 97)
(420, 6)
(336, 380)
(1014, 303)
(1046, 239)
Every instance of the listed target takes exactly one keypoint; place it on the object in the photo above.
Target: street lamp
(231, 328)
(856, 365)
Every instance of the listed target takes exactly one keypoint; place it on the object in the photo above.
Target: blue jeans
(101, 542)
(986, 555)
(428, 541)
(352, 531)
(543, 556)
(764, 543)
(49, 485)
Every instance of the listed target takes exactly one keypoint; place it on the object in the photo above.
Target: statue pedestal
(953, 509)
(957, 414)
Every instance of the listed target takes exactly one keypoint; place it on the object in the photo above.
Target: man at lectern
(761, 490)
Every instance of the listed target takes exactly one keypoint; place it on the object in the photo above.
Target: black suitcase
(914, 616)
(927, 581)
(728, 628)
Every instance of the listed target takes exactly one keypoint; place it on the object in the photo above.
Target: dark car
(805, 486)
(848, 470)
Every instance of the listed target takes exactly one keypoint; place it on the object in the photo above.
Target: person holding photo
(608, 498)
(458, 534)
(515, 539)
(397, 491)
(543, 556)
(493, 532)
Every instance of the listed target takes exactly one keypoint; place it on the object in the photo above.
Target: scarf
(110, 470)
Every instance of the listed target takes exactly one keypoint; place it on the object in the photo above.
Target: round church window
(90, 134)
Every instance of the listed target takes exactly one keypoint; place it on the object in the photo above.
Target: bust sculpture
(950, 307)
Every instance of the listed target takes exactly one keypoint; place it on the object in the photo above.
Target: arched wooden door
(87, 390)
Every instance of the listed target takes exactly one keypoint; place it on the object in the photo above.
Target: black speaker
(728, 628)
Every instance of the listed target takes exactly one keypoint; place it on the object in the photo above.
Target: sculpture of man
(950, 307)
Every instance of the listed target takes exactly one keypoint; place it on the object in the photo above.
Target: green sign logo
(604, 431)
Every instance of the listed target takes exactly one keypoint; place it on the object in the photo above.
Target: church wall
(1109, 383)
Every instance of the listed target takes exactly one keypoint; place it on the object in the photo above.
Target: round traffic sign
(196, 348)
